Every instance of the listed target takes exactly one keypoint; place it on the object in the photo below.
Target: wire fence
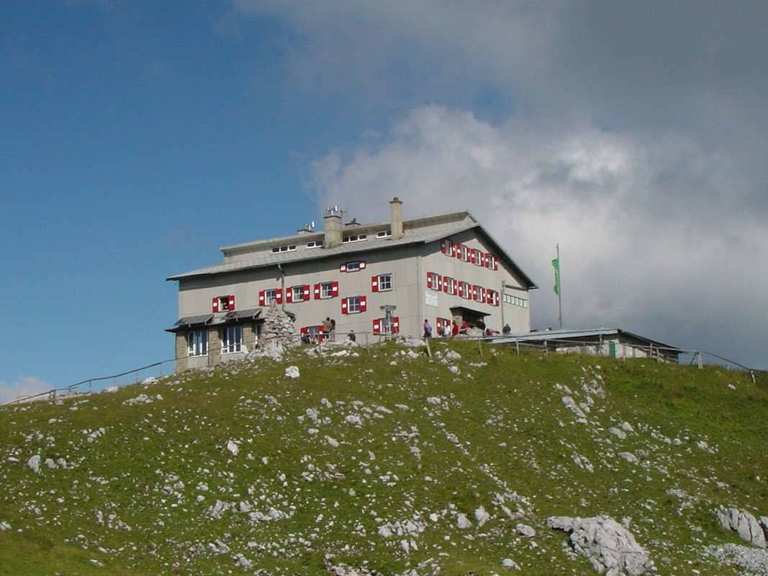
(156, 370)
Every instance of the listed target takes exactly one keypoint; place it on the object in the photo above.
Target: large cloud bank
(632, 134)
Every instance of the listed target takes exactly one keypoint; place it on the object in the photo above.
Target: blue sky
(137, 137)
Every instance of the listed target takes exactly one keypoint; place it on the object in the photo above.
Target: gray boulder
(744, 524)
(609, 546)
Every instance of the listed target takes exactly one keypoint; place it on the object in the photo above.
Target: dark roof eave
(530, 285)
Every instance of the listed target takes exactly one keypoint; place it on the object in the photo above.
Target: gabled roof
(417, 231)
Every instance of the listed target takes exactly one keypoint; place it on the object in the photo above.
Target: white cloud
(25, 386)
(648, 239)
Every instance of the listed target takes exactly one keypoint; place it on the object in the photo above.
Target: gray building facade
(445, 268)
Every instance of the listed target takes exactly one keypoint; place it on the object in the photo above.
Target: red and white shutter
(289, 295)
(430, 280)
(334, 289)
(231, 302)
(343, 267)
(363, 304)
(438, 280)
(305, 330)
(374, 283)
(445, 246)
(446, 283)
(215, 304)
(317, 292)
(305, 292)
(495, 263)
(279, 295)
(395, 327)
(377, 326)
(344, 305)
(262, 297)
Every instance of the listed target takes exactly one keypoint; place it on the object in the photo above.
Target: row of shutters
(379, 328)
(467, 254)
(306, 290)
(460, 288)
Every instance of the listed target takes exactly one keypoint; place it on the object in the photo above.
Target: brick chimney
(396, 219)
(332, 229)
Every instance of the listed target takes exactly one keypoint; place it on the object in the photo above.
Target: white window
(286, 248)
(297, 293)
(232, 340)
(384, 234)
(385, 282)
(270, 296)
(355, 237)
(354, 304)
(314, 244)
(326, 290)
(197, 343)
(355, 266)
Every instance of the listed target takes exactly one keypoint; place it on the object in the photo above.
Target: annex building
(372, 279)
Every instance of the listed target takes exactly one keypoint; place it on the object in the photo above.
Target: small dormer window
(355, 238)
(314, 244)
(384, 234)
(284, 248)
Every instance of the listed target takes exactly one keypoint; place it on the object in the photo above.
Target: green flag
(556, 266)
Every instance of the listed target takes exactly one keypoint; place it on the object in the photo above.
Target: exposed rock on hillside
(744, 524)
(610, 548)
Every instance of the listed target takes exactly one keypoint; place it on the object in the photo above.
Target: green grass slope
(381, 458)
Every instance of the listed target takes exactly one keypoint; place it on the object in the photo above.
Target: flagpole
(559, 289)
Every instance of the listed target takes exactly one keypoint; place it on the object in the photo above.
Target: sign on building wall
(431, 298)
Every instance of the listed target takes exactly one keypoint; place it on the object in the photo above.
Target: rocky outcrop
(277, 324)
(744, 524)
(609, 546)
(753, 560)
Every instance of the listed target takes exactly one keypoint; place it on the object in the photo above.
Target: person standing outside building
(333, 330)
(427, 329)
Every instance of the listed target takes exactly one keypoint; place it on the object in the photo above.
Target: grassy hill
(383, 460)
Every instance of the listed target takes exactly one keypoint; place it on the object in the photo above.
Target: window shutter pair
(434, 281)
(345, 305)
(216, 303)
